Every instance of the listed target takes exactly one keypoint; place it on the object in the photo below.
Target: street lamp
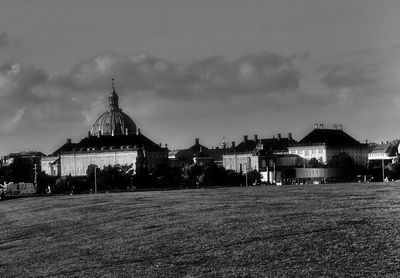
(245, 165)
(95, 180)
(35, 177)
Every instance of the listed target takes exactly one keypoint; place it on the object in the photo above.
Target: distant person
(48, 190)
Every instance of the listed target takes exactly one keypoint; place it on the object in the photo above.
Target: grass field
(303, 231)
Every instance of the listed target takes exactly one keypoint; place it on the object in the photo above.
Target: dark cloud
(42, 100)
(350, 75)
(363, 69)
(262, 73)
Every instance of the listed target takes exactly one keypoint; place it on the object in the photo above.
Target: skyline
(207, 70)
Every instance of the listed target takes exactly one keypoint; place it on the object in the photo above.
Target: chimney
(88, 134)
(335, 127)
(321, 126)
(233, 144)
(290, 136)
(279, 136)
(166, 146)
(315, 126)
(255, 138)
(69, 141)
(245, 138)
(197, 141)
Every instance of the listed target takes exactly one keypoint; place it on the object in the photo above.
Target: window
(313, 151)
(320, 151)
(307, 153)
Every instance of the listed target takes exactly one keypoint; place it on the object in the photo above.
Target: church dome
(113, 121)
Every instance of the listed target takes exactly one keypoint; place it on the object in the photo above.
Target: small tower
(113, 99)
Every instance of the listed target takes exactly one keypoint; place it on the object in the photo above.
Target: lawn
(286, 231)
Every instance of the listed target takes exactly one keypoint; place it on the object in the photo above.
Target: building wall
(380, 156)
(76, 164)
(239, 162)
(48, 166)
(155, 158)
(323, 153)
(318, 152)
(288, 161)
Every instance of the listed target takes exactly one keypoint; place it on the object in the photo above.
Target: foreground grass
(317, 230)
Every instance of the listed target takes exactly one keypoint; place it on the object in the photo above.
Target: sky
(186, 69)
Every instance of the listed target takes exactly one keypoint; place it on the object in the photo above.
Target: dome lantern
(113, 121)
(113, 99)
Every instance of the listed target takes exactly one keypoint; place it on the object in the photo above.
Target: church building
(113, 139)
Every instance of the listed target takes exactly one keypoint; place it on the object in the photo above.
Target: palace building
(113, 139)
(323, 144)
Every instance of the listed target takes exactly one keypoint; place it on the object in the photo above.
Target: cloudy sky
(208, 69)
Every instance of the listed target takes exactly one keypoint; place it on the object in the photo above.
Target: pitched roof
(67, 147)
(198, 149)
(388, 149)
(329, 137)
(268, 144)
(117, 141)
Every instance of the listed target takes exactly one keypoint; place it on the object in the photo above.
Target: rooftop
(329, 137)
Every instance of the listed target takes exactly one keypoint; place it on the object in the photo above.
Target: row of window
(307, 152)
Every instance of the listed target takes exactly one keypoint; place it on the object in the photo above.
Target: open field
(316, 230)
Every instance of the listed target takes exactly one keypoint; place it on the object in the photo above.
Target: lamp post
(383, 169)
(35, 177)
(245, 165)
(95, 180)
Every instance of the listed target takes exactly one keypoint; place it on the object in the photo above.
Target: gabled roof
(67, 147)
(268, 145)
(329, 137)
(388, 149)
(198, 149)
(117, 141)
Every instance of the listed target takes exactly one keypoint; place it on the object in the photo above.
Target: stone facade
(76, 163)
(324, 153)
(51, 165)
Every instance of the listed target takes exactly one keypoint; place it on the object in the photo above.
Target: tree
(394, 170)
(212, 175)
(115, 177)
(90, 171)
(314, 163)
(253, 176)
(190, 174)
(345, 162)
(233, 178)
(18, 171)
